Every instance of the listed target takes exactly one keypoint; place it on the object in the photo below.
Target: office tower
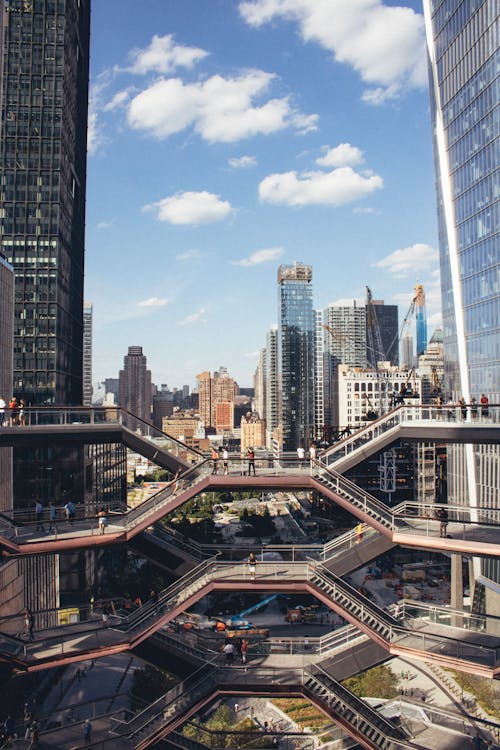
(387, 319)
(340, 339)
(135, 384)
(163, 405)
(296, 360)
(87, 354)
(272, 387)
(420, 319)
(6, 349)
(463, 61)
(212, 391)
(407, 355)
(259, 384)
(42, 178)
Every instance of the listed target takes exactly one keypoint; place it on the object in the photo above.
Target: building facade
(462, 41)
(43, 149)
(272, 408)
(87, 354)
(135, 384)
(296, 346)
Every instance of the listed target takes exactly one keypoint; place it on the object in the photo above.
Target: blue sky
(228, 137)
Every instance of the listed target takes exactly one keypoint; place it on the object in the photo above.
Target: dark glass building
(296, 354)
(42, 182)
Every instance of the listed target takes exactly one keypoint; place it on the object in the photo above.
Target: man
(69, 510)
(251, 461)
(300, 455)
(52, 517)
(87, 730)
(225, 461)
(215, 459)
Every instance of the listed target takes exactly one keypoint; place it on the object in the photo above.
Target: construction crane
(436, 389)
(375, 348)
(339, 337)
(370, 414)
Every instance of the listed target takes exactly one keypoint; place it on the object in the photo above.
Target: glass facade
(465, 86)
(464, 82)
(42, 184)
(296, 344)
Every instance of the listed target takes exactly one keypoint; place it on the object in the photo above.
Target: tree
(379, 682)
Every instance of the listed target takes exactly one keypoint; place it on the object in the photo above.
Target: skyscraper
(272, 386)
(87, 354)
(135, 384)
(296, 346)
(420, 319)
(463, 51)
(42, 182)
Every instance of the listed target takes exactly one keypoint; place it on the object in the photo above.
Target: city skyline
(323, 156)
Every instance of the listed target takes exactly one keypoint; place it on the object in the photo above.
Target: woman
(102, 520)
(252, 562)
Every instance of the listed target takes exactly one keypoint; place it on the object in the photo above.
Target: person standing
(244, 650)
(3, 406)
(484, 401)
(69, 510)
(14, 411)
(52, 517)
(225, 461)
(252, 563)
(87, 730)
(39, 515)
(102, 520)
(251, 461)
(312, 454)
(300, 455)
(359, 532)
(22, 413)
(215, 459)
(228, 650)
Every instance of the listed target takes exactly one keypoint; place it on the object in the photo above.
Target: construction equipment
(436, 389)
(302, 614)
(370, 414)
(238, 621)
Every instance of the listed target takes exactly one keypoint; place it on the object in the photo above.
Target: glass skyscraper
(296, 347)
(42, 182)
(462, 37)
(464, 65)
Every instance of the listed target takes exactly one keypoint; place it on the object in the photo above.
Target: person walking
(3, 406)
(22, 413)
(14, 411)
(252, 564)
(463, 408)
(39, 516)
(87, 730)
(251, 461)
(442, 515)
(312, 454)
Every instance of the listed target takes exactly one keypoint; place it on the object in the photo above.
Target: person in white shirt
(2, 410)
(300, 455)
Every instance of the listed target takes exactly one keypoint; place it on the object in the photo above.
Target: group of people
(235, 647)
(69, 514)
(482, 408)
(222, 454)
(12, 413)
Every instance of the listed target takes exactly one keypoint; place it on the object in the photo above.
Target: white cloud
(414, 260)
(188, 255)
(242, 162)
(196, 317)
(105, 224)
(251, 355)
(95, 132)
(259, 256)
(118, 100)
(220, 110)
(164, 56)
(153, 302)
(343, 155)
(191, 208)
(334, 188)
(365, 210)
(385, 44)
